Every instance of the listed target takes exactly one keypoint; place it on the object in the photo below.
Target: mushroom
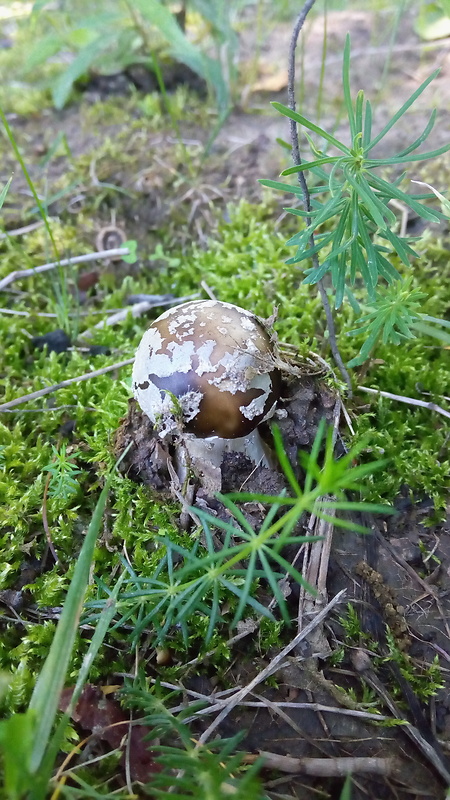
(205, 374)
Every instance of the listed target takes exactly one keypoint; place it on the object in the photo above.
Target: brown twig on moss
(296, 157)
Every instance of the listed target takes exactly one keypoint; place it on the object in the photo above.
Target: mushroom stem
(205, 456)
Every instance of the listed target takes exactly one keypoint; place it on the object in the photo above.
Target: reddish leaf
(103, 716)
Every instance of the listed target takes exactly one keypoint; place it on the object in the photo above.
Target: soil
(399, 574)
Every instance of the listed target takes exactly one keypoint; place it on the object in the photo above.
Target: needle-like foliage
(350, 219)
(192, 582)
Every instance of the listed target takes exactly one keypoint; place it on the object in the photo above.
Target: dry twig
(50, 389)
(412, 401)
(276, 664)
(325, 767)
(306, 197)
(64, 262)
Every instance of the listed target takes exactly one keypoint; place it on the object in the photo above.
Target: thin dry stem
(276, 664)
(412, 401)
(50, 389)
(296, 157)
(326, 767)
(64, 262)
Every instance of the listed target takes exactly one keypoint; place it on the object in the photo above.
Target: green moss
(244, 264)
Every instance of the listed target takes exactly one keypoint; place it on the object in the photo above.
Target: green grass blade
(310, 165)
(283, 459)
(444, 322)
(426, 213)
(359, 113)
(311, 459)
(367, 132)
(408, 159)
(312, 127)
(428, 330)
(420, 139)
(29, 181)
(367, 197)
(297, 212)
(400, 247)
(401, 111)
(283, 187)
(46, 694)
(331, 209)
(107, 614)
(301, 254)
(4, 192)
(246, 588)
(346, 87)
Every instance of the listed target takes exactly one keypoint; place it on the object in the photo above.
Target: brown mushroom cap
(218, 361)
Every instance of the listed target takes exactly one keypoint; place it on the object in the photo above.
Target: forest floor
(120, 172)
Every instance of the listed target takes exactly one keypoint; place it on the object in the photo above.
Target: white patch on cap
(247, 323)
(203, 354)
(182, 320)
(190, 405)
(256, 407)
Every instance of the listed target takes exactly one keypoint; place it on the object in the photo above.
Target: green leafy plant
(4, 192)
(395, 313)
(425, 680)
(192, 770)
(354, 223)
(189, 582)
(433, 20)
(121, 34)
(63, 471)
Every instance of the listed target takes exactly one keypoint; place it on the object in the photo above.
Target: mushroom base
(225, 464)
(204, 457)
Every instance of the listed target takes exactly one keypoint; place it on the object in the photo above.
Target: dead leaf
(271, 83)
(104, 717)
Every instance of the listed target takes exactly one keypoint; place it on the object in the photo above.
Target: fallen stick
(50, 389)
(412, 401)
(276, 664)
(65, 262)
(325, 767)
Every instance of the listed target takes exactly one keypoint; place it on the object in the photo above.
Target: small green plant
(425, 680)
(354, 223)
(428, 555)
(192, 770)
(63, 482)
(351, 625)
(191, 582)
(118, 35)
